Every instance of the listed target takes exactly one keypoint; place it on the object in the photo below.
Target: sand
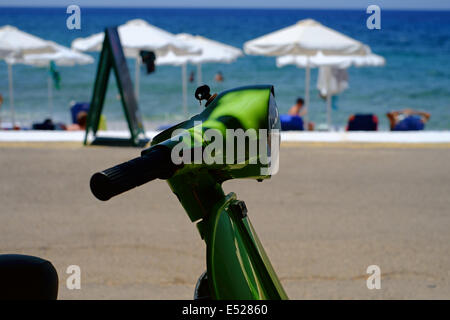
(331, 211)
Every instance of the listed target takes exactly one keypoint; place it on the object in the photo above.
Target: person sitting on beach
(293, 120)
(81, 122)
(298, 108)
(407, 120)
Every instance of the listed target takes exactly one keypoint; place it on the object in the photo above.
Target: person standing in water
(218, 77)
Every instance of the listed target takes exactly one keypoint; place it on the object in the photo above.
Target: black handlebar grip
(128, 175)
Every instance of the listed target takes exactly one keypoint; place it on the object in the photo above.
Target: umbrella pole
(328, 75)
(137, 78)
(184, 87)
(307, 82)
(199, 74)
(11, 96)
(329, 111)
(50, 96)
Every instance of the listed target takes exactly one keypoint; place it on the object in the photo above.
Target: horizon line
(222, 8)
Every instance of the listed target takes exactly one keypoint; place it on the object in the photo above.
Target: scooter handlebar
(128, 175)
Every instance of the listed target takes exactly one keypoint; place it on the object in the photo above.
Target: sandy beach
(331, 211)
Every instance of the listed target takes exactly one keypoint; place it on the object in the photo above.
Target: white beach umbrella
(319, 60)
(211, 52)
(335, 61)
(62, 56)
(306, 38)
(137, 35)
(15, 43)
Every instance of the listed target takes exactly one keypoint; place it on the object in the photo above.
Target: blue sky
(324, 4)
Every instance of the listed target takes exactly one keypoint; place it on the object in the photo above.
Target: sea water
(415, 44)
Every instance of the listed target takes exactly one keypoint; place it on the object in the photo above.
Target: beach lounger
(290, 123)
(362, 122)
(78, 107)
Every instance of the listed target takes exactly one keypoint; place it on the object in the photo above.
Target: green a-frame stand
(112, 56)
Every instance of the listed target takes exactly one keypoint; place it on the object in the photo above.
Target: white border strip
(374, 137)
(290, 136)
(59, 136)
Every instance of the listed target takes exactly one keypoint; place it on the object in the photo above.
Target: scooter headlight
(273, 135)
(274, 117)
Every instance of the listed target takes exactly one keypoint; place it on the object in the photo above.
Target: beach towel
(410, 123)
(332, 81)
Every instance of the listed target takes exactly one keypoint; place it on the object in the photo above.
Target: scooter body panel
(237, 265)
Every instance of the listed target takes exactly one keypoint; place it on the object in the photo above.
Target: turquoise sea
(416, 45)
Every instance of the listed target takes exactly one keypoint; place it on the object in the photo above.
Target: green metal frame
(237, 265)
(112, 57)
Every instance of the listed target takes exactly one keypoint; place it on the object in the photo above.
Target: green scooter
(195, 157)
